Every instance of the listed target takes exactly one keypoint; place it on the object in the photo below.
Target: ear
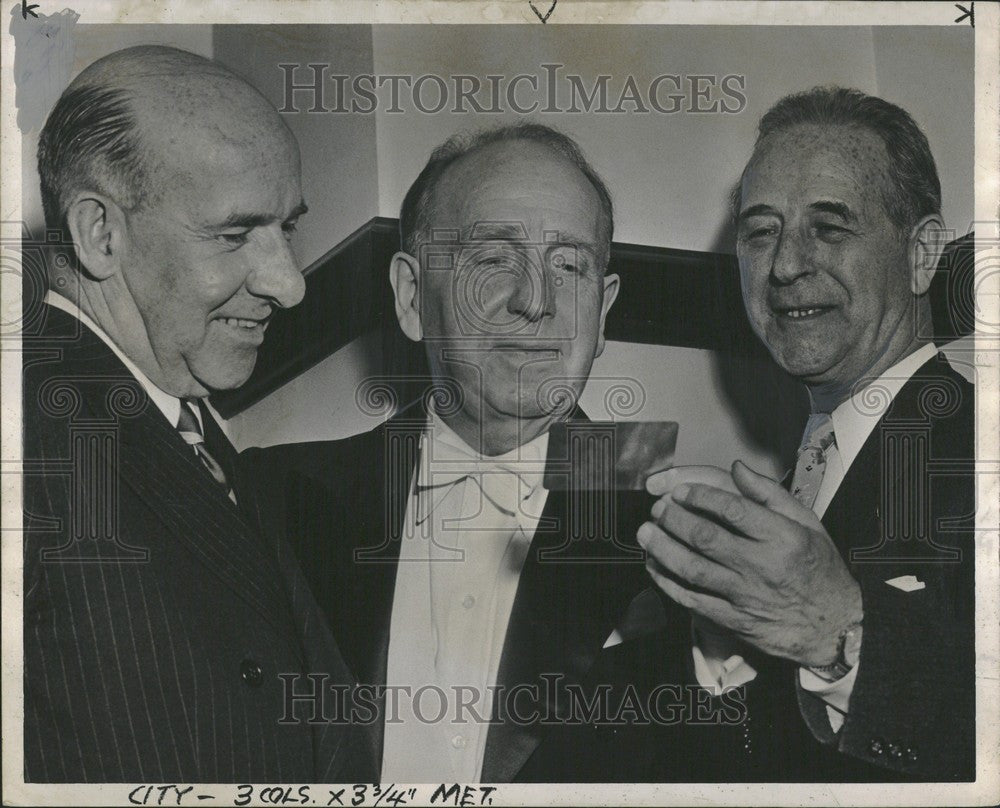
(404, 276)
(926, 243)
(97, 227)
(611, 284)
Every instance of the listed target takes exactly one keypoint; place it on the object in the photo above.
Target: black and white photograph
(500, 403)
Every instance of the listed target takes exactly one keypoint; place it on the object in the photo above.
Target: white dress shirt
(718, 657)
(468, 526)
(166, 403)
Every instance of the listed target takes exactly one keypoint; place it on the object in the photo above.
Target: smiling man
(467, 596)
(846, 602)
(158, 614)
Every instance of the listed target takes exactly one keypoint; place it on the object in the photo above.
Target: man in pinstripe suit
(158, 616)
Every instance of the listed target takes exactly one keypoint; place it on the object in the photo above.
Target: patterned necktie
(811, 463)
(188, 426)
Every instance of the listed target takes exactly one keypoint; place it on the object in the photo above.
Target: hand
(663, 482)
(752, 560)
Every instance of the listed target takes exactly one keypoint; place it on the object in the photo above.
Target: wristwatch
(848, 654)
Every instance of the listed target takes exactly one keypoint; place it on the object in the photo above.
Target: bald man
(161, 623)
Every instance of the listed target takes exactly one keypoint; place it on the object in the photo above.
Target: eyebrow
(834, 208)
(495, 231)
(822, 206)
(257, 219)
(757, 210)
(515, 232)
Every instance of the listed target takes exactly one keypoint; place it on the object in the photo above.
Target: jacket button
(895, 752)
(876, 747)
(911, 754)
(251, 673)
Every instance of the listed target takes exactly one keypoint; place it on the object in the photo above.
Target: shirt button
(459, 742)
(251, 673)
(469, 601)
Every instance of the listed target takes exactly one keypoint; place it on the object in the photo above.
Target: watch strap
(848, 653)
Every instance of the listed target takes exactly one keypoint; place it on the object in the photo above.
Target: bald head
(143, 116)
(418, 211)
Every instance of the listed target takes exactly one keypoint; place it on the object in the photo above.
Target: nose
(791, 258)
(276, 275)
(533, 293)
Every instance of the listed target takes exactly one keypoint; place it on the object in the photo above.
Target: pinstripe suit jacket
(157, 615)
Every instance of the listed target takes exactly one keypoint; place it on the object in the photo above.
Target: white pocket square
(907, 583)
(614, 638)
(644, 615)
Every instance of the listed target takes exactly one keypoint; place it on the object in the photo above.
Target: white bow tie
(501, 484)
(505, 481)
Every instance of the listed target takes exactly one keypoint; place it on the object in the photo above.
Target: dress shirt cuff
(837, 695)
(717, 664)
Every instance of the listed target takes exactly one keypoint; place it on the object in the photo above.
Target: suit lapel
(380, 504)
(321, 654)
(569, 597)
(151, 459)
(859, 489)
(161, 469)
(859, 499)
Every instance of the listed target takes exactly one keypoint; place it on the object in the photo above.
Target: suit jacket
(157, 615)
(343, 503)
(906, 507)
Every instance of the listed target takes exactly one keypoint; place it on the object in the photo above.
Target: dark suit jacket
(157, 616)
(905, 507)
(343, 504)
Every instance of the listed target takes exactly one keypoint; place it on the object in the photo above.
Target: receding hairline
(135, 121)
(764, 145)
(150, 73)
(215, 100)
(916, 187)
(126, 68)
(509, 145)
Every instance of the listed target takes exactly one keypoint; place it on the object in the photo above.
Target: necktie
(811, 463)
(190, 430)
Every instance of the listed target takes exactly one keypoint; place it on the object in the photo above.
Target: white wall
(89, 43)
(339, 171)
(669, 174)
(927, 71)
(727, 409)
(316, 405)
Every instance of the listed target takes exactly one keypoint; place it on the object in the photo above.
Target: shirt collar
(166, 403)
(445, 451)
(446, 460)
(854, 420)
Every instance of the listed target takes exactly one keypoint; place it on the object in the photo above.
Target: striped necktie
(811, 464)
(190, 429)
